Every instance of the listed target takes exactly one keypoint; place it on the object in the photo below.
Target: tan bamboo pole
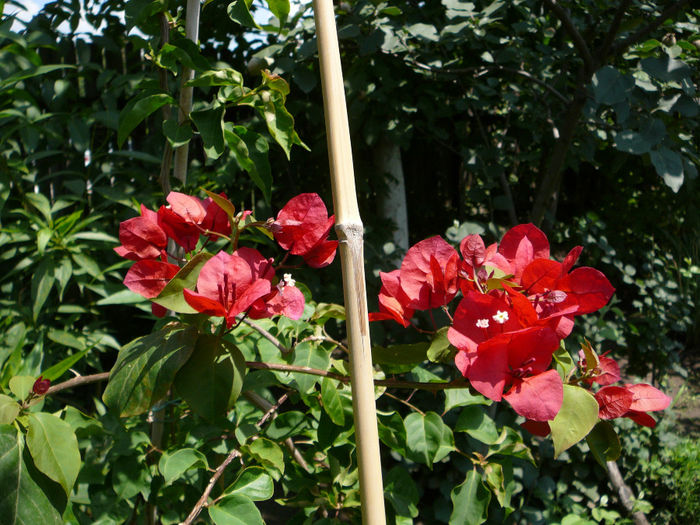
(191, 33)
(349, 229)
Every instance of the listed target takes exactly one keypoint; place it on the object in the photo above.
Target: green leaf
(22, 501)
(401, 492)
(146, 367)
(235, 510)
(177, 135)
(42, 282)
(9, 409)
(311, 355)
(470, 501)
(610, 86)
(174, 465)
(251, 152)
(440, 350)
(563, 363)
(604, 443)
(669, 165)
(210, 124)
(576, 418)
(510, 443)
(20, 386)
(268, 454)
(134, 113)
(60, 368)
(279, 8)
(411, 354)
(239, 13)
(171, 296)
(459, 397)
(218, 77)
(224, 204)
(499, 477)
(253, 483)
(207, 380)
(474, 421)
(54, 448)
(286, 425)
(332, 402)
(280, 123)
(428, 439)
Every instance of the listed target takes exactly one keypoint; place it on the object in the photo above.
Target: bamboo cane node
(350, 232)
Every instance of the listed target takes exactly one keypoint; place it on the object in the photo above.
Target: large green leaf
(238, 12)
(332, 401)
(428, 439)
(410, 354)
(235, 510)
(135, 112)
(171, 297)
(210, 124)
(42, 282)
(610, 86)
(401, 492)
(22, 501)
(251, 152)
(279, 8)
(470, 501)
(174, 465)
(210, 381)
(54, 448)
(669, 165)
(310, 355)
(604, 443)
(254, 483)
(9, 409)
(146, 367)
(577, 416)
(474, 421)
(268, 454)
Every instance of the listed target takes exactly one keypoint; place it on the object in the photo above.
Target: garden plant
(176, 348)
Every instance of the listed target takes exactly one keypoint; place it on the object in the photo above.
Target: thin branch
(325, 339)
(643, 32)
(78, 381)
(264, 404)
(614, 28)
(482, 70)
(389, 383)
(625, 493)
(576, 37)
(409, 405)
(267, 335)
(205, 495)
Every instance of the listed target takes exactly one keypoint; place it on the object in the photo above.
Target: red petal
(141, 238)
(570, 259)
(647, 398)
(178, 229)
(149, 277)
(425, 287)
(302, 223)
(522, 306)
(540, 275)
(465, 334)
(488, 370)
(614, 401)
(538, 397)
(204, 304)
(473, 250)
(188, 207)
(255, 291)
(536, 428)
(641, 418)
(586, 287)
(288, 302)
(523, 244)
(609, 371)
(158, 310)
(321, 255)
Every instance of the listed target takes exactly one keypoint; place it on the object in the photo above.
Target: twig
(625, 493)
(409, 405)
(389, 383)
(324, 339)
(267, 335)
(643, 32)
(77, 381)
(205, 495)
(264, 404)
(576, 37)
(612, 31)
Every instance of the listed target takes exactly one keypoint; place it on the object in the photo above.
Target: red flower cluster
(228, 284)
(517, 305)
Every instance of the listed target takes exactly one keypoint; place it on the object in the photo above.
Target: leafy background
(501, 113)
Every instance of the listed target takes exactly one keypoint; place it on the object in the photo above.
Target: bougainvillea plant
(516, 306)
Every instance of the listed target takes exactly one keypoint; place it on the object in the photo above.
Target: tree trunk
(387, 159)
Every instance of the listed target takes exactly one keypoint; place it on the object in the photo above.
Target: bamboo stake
(349, 230)
(191, 33)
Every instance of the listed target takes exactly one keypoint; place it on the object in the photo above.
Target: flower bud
(41, 386)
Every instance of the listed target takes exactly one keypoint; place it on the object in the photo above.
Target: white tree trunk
(387, 158)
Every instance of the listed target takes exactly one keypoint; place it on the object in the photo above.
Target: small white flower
(500, 317)
(285, 281)
(482, 323)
